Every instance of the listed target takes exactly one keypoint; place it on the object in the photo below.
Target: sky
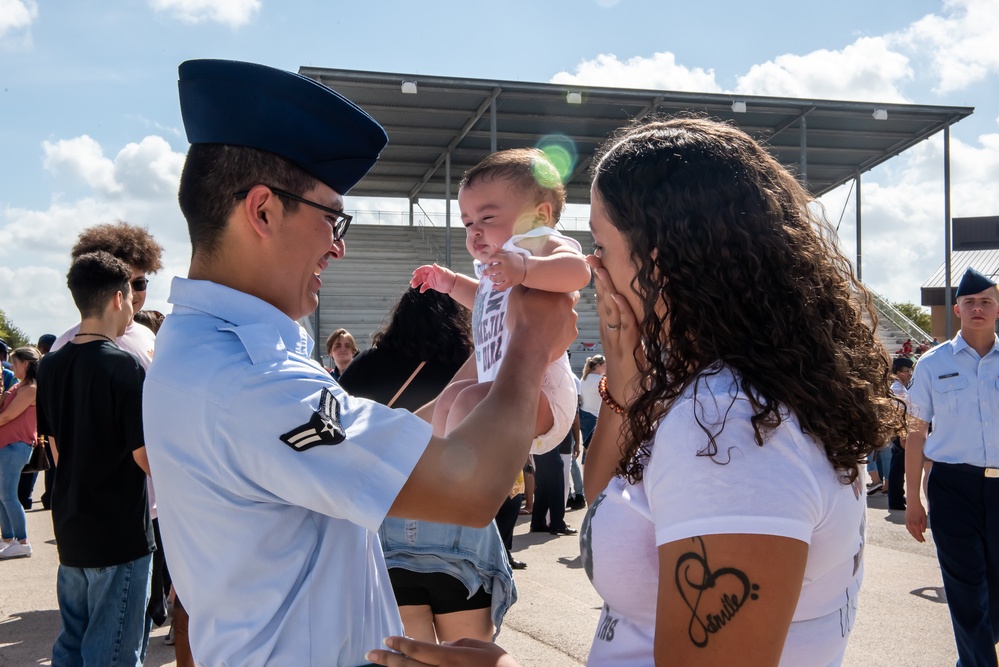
(90, 127)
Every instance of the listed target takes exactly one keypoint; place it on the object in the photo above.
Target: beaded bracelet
(605, 395)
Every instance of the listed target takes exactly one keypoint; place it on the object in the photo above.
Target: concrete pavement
(902, 619)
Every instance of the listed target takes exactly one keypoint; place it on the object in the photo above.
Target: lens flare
(561, 150)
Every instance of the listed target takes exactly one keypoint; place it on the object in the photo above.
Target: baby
(510, 203)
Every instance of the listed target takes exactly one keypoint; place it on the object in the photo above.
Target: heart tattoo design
(714, 597)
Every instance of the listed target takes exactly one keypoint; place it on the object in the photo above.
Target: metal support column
(410, 211)
(859, 268)
(447, 210)
(803, 159)
(948, 297)
(492, 126)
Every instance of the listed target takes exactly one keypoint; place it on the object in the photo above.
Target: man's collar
(237, 308)
(960, 344)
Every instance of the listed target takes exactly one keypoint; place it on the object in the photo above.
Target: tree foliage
(917, 314)
(10, 333)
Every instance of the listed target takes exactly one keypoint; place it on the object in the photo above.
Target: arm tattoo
(722, 592)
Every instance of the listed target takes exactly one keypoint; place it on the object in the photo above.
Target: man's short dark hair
(131, 244)
(94, 278)
(899, 363)
(45, 342)
(214, 173)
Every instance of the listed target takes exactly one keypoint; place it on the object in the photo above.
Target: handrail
(434, 250)
(899, 319)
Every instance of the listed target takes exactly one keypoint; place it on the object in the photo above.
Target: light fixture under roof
(574, 98)
(739, 107)
(880, 114)
(409, 87)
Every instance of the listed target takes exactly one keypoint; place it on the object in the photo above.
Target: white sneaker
(15, 550)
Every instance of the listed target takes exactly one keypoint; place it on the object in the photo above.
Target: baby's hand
(432, 276)
(506, 269)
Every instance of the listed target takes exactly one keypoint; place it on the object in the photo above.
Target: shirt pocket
(947, 392)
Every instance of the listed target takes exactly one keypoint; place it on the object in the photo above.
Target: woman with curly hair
(743, 391)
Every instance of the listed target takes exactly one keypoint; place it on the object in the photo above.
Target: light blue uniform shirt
(272, 543)
(958, 392)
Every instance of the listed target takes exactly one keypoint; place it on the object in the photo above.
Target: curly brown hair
(735, 266)
(131, 244)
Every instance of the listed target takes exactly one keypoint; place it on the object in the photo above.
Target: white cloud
(868, 69)
(233, 13)
(903, 211)
(659, 71)
(138, 186)
(961, 44)
(149, 169)
(37, 301)
(83, 158)
(17, 16)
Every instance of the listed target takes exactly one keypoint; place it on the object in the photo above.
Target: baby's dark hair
(529, 169)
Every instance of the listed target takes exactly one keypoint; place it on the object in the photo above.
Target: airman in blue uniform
(956, 389)
(272, 481)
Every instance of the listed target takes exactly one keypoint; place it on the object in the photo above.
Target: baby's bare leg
(546, 420)
(471, 395)
(444, 404)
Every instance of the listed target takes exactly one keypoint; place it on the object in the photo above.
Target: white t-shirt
(139, 340)
(786, 488)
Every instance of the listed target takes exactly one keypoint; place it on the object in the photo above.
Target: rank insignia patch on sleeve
(322, 429)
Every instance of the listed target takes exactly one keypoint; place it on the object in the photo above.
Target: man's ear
(260, 209)
(115, 304)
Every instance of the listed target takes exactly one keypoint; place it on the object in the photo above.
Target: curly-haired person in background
(136, 247)
(743, 391)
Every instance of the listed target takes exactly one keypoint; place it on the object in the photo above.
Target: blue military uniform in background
(958, 392)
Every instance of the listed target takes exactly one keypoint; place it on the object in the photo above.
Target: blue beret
(243, 104)
(973, 282)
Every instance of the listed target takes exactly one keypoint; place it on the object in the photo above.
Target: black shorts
(443, 593)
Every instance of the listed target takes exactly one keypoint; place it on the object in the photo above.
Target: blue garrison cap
(243, 104)
(973, 282)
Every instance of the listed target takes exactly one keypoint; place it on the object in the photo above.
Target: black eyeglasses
(139, 284)
(341, 220)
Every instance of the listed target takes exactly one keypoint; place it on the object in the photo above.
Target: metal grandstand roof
(933, 291)
(828, 142)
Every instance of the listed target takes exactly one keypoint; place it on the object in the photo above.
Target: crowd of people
(316, 516)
